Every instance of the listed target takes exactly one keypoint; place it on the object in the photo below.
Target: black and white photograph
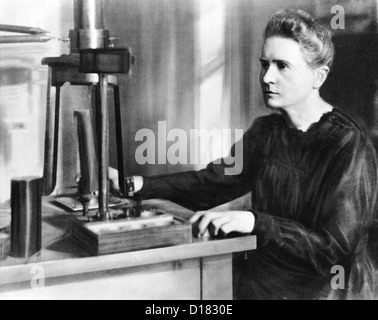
(188, 150)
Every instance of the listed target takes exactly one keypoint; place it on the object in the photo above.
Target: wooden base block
(100, 238)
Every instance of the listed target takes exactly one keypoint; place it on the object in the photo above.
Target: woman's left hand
(212, 224)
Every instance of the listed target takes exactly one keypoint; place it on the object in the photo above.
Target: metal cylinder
(89, 30)
(26, 212)
(89, 14)
(103, 147)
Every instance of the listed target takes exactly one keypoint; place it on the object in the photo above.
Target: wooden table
(62, 270)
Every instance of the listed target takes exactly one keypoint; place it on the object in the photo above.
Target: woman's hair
(314, 40)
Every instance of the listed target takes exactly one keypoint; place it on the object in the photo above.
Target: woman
(312, 172)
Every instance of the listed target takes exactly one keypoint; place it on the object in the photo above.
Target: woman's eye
(282, 66)
(264, 65)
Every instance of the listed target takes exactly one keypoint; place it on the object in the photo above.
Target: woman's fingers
(222, 223)
(113, 177)
(206, 220)
(228, 227)
(195, 219)
(206, 234)
(218, 223)
(197, 216)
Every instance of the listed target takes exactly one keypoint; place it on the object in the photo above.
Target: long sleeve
(346, 203)
(210, 187)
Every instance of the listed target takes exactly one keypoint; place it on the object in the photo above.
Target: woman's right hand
(114, 182)
(113, 178)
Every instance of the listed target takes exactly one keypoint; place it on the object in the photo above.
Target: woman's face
(286, 79)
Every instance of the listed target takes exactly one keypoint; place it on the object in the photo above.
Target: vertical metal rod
(88, 14)
(104, 150)
(48, 157)
(56, 136)
(51, 138)
(89, 26)
(94, 95)
(118, 123)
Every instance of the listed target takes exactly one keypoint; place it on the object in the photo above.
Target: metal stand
(63, 70)
(91, 60)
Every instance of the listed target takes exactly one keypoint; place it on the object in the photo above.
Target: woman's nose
(269, 75)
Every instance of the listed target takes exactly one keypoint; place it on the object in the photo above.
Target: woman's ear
(321, 75)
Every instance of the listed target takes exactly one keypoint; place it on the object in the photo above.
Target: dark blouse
(314, 197)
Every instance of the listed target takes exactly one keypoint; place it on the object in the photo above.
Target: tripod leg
(118, 122)
(103, 148)
(51, 139)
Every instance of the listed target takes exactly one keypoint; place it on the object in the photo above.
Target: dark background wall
(170, 78)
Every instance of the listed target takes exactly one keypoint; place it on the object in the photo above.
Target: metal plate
(73, 205)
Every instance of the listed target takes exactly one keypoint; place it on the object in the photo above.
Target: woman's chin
(273, 106)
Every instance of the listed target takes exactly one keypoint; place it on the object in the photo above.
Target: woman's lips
(270, 93)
